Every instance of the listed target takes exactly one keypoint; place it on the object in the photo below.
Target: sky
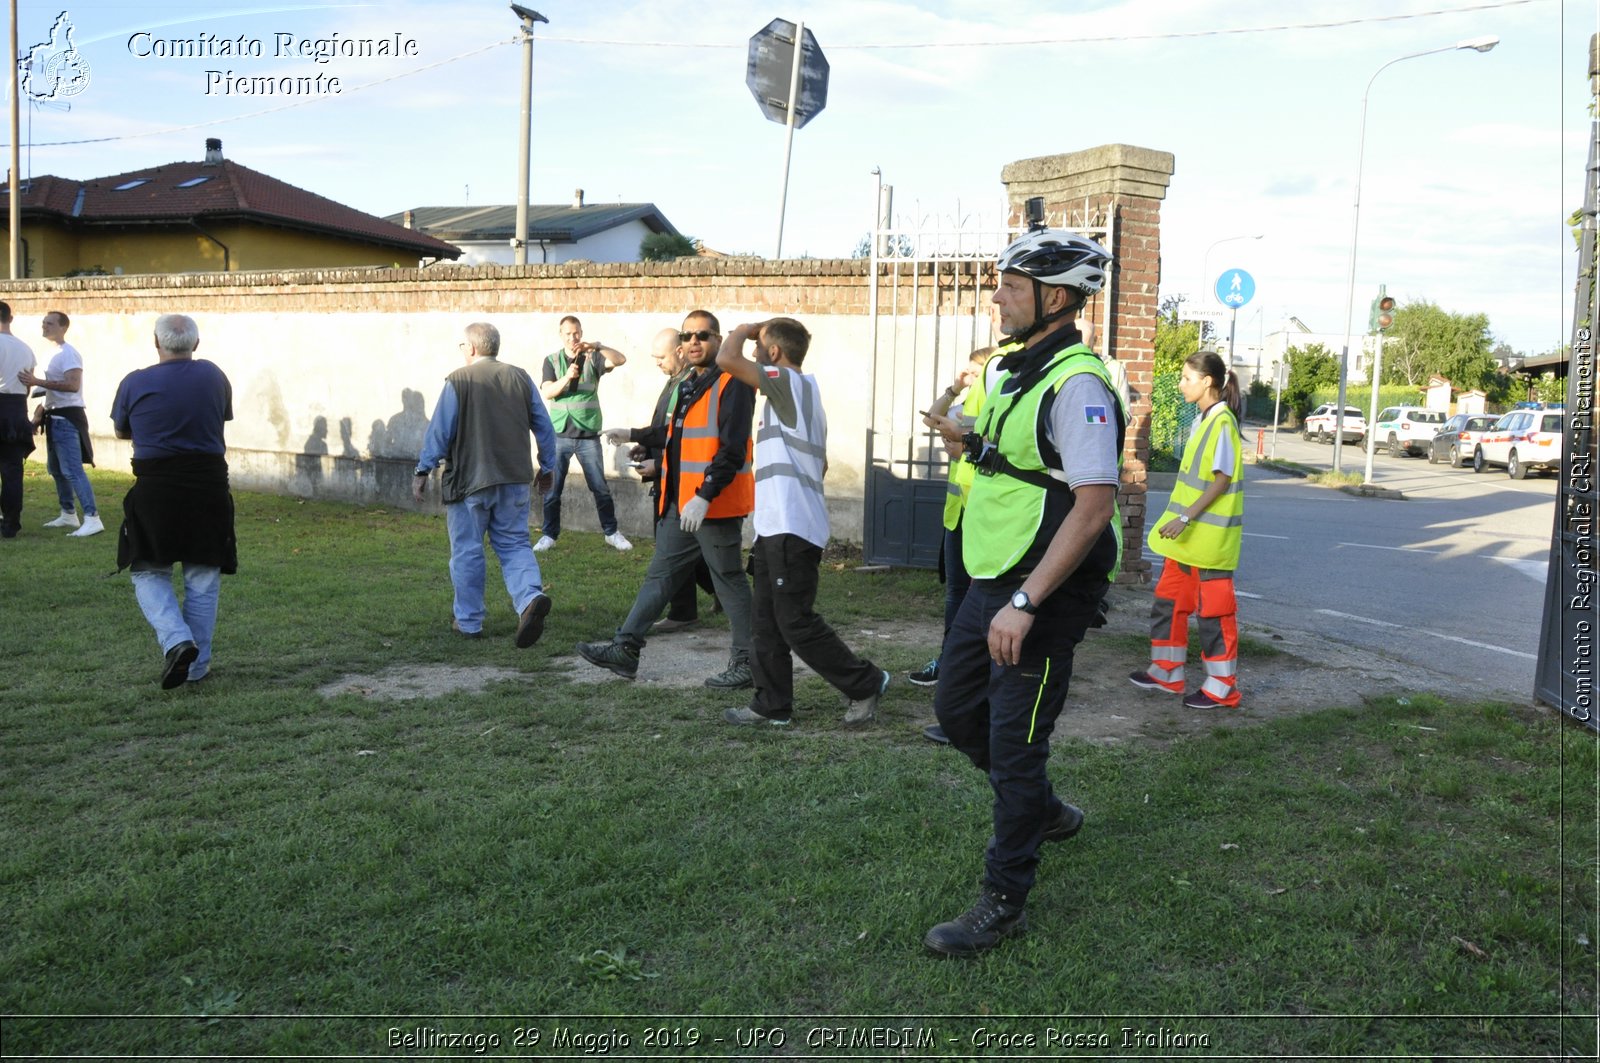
(1471, 164)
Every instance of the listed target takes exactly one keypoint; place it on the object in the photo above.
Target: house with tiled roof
(211, 215)
(559, 232)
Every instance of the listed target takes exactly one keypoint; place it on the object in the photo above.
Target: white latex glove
(695, 512)
(614, 436)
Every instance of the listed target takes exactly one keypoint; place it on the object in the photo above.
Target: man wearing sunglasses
(707, 488)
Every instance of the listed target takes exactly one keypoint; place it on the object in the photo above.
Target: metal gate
(928, 310)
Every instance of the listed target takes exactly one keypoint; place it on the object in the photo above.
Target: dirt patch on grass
(1281, 673)
(407, 682)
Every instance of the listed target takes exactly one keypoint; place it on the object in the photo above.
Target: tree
(1175, 341)
(901, 246)
(1426, 340)
(664, 247)
(1310, 367)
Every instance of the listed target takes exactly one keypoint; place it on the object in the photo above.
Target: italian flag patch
(1094, 415)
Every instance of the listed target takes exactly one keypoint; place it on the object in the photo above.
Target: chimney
(577, 199)
(408, 219)
(213, 151)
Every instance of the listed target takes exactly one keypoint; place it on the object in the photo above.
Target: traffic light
(1381, 318)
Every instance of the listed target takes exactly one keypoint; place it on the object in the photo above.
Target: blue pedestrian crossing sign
(1235, 288)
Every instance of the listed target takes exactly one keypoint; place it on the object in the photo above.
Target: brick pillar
(1121, 187)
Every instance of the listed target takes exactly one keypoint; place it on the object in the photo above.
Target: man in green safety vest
(571, 388)
(1042, 541)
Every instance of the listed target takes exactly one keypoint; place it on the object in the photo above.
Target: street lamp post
(524, 146)
(1476, 44)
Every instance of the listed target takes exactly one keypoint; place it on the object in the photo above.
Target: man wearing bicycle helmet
(1042, 541)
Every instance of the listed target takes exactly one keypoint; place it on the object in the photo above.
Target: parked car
(1459, 436)
(1320, 424)
(1522, 441)
(1407, 429)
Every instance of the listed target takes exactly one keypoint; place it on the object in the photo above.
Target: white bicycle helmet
(1058, 257)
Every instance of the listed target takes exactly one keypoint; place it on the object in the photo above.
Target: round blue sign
(1235, 288)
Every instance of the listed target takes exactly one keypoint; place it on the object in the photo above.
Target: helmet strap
(1040, 318)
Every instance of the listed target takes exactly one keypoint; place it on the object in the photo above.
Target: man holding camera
(1040, 542)
(683, 611)
(571, 386)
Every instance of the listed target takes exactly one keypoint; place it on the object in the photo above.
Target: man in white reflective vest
(791, 526)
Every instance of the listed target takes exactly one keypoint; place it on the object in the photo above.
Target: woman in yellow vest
(1199, 535)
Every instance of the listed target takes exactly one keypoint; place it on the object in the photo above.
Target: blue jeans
(65, 462)
(594, 474)
(501, 512)
(194, 621)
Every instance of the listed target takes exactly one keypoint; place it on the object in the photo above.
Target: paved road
(1451, 579)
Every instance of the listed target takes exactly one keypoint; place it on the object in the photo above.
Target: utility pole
(524, 134)
(16, 158)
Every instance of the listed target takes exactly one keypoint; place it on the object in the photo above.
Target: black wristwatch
(1020, 600)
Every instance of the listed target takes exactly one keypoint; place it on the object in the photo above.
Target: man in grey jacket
(480, 432)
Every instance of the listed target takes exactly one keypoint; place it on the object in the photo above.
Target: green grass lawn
(249, 868)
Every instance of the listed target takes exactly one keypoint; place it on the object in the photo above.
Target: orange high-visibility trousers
(1181, 591)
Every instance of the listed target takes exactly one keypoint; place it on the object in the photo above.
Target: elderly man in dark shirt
(179, 508)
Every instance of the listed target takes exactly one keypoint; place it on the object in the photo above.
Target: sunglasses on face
(702, 335)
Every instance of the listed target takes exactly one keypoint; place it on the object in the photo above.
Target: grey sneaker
(620, 658)
(745, 716)
(734, 677)
(866, 710)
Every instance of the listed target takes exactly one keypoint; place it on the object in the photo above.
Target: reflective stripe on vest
(1004, 513)
(1213, 539)
(698, 448)
(791, 461)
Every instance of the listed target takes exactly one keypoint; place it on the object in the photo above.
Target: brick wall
(335, 371)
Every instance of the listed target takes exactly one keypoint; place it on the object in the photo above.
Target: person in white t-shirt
(66, 429)
(791, 526)
(16, 431)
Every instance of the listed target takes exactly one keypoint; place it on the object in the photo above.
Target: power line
(1108, 39)
(1177, 35)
